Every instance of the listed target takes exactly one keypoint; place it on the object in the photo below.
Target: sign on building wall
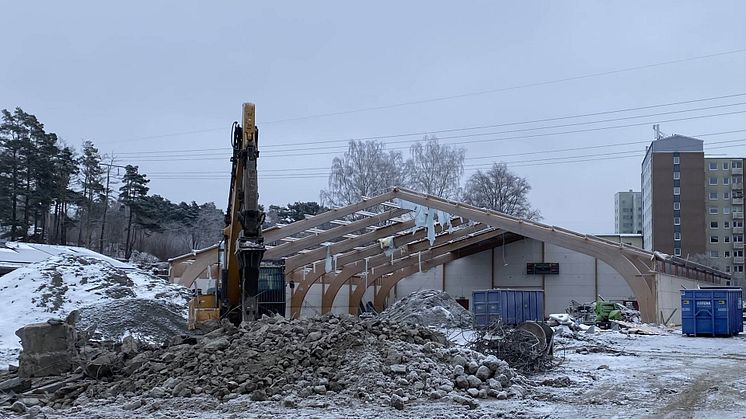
(542, 268)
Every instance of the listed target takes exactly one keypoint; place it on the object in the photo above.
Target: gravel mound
(430, 308)
(301, 362)
(149, 321)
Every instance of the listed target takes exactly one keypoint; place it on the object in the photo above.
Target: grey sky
(125, 74)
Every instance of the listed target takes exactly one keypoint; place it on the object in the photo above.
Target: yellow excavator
(237, 294)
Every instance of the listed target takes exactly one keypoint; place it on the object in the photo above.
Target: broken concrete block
(48, 349)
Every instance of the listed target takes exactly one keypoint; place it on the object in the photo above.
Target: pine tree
(132, 194)
(91, 180)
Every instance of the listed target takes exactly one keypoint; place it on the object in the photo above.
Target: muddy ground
(669, 376)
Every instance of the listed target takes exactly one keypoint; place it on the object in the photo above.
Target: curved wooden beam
(381, 261)
(415, 260)
(619, 258)
(359, 255)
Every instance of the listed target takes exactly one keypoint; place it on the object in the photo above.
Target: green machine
(605, 311)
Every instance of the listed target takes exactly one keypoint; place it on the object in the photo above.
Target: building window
(677, 235)
(737, 223)
(737, 268)
(737, 238)
(725, 165)
(727, 239)
(713, 224)
(726, 195)
(714, 239)
(676, 175)
(714, 254)
(735, 164)
(713, 210)
(738, 253)
(713, 180)
(677, 221)
(726, 210)
(726, 254)
(676, 160)
(713, 196)
(726, 224)
(713, 165)
(726, 180)
(677, 251)
(676, 206)
(676, 190)
(727, 269)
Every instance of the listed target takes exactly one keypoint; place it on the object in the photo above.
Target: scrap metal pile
(527, 348)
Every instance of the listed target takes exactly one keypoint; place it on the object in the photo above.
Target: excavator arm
(244, 244)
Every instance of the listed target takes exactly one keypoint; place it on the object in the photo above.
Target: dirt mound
(149, 321)
(58, 285)
(429, 308)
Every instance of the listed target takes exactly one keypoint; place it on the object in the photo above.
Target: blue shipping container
(711, 312)
(511, 306)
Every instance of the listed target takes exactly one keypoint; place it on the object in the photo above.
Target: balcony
(738, 260)
(738, 201)
(736, 170)
(738, 229)
(736, 186)
(737, 215)
(738, 245)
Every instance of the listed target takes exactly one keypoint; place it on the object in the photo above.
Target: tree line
(49, 193)
(367, 169)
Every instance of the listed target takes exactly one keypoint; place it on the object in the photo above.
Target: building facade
(724, 217)
(673, 190)
(628, 212)
(693, 205)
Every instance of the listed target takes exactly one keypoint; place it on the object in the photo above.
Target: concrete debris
(430, 308)
(48, 348)
(296, 362)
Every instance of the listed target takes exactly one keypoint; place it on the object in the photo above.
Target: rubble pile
(431, 308)
(149, 321)
(297, 362)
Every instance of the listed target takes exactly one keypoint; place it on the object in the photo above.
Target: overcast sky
(148, 80)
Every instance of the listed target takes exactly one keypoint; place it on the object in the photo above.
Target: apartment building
(673, 190)
(724, 217)
(693, 205)
(628, 212)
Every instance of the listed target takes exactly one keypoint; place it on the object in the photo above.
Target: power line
(284, 155)
(504, 89)
(471, 128)
(515, 163)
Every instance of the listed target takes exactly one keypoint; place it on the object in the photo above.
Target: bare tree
(366, 169)
(501, 190)
(435, 169)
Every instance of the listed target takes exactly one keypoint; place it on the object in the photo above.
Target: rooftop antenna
(657, 132)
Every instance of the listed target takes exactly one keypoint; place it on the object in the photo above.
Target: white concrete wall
(611, 285)
(669, 296)
(576, 280)
(432, 279)
(510, 265)
(464, 275)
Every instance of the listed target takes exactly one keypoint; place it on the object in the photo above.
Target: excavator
(236, 295)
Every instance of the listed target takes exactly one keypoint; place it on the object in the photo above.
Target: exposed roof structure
(382, 239)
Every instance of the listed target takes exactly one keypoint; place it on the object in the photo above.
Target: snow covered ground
(669, 376)
(56, 286)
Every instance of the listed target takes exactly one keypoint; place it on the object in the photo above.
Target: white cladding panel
(611, 285)
(576, 280)
(469, 273)
(432, 279)
(510, 264)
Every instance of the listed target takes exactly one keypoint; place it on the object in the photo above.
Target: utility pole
(106, 203)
